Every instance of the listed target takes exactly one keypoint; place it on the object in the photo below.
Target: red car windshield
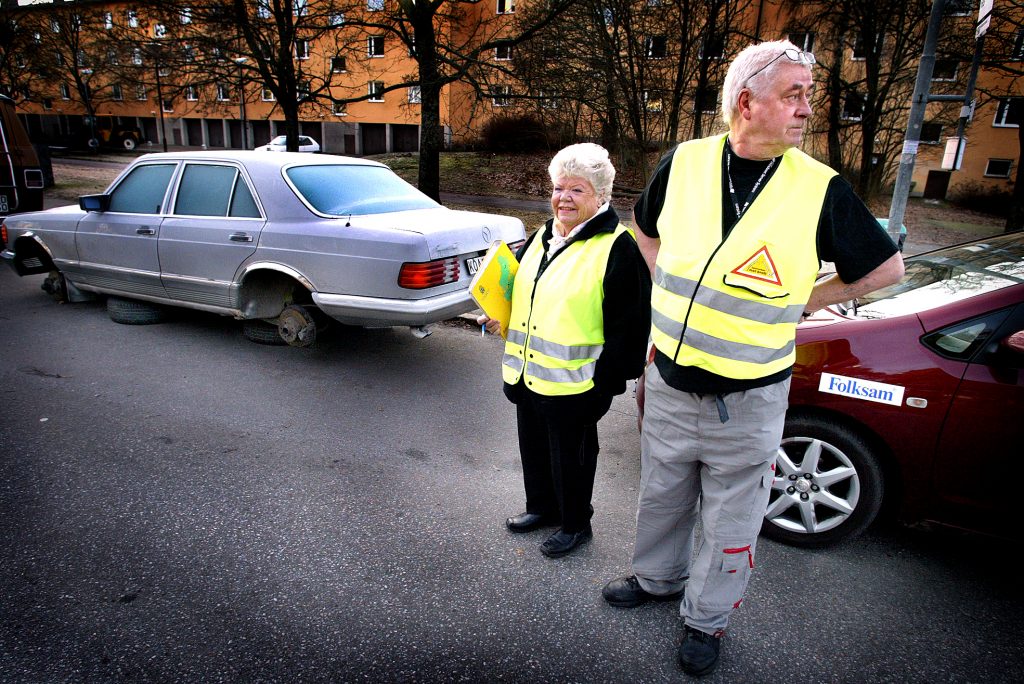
(949, 275)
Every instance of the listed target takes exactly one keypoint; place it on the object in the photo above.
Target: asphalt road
(178, 504)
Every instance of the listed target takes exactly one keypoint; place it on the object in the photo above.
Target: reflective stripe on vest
(731, 307)
(556, 330)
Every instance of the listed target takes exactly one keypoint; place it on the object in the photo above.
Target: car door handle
(241, 237)
(145, 230)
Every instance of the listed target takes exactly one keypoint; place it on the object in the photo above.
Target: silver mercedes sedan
(277, 241)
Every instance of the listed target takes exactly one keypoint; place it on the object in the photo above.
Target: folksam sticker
(855, 388)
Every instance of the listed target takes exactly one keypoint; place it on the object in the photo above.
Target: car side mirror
(1014, 343)
(94, 202)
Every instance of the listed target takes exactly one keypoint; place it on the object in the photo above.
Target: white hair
(747, 64)
(585, 160)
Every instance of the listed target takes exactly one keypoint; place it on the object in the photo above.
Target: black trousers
(559, 454)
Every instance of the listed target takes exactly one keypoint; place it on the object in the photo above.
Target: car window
(303, 140)
(340, 189)
(242, 203)
(205, 190)
(949, 275)
(961, 340)
(142, 191)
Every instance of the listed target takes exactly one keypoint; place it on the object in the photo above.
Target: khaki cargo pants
(712, 457)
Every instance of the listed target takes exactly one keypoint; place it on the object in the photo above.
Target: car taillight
(419, 276)
(3, 235)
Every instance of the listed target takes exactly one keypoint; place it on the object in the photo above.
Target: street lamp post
(241, 99)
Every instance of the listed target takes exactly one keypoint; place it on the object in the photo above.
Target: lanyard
(732, 189)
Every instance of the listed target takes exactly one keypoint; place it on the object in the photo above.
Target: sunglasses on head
(792, 54)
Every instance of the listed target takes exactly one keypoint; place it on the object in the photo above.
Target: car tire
(261, 332)
(828, 484)
(128, 143)
(134, 312)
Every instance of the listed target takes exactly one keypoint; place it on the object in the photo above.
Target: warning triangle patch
(759, 267)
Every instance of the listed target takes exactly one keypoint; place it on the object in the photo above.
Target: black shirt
(848, 235)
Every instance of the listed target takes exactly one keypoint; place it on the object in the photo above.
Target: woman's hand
(492, 326)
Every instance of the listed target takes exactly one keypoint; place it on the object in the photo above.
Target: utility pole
(920, 101)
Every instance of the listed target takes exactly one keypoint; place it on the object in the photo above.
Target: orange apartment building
(222, 116)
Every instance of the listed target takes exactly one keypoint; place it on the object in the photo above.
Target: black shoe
(527, 522)
(561, 542)
(626, 592)
(698, 654)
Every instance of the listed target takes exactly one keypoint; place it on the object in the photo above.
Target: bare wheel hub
(296, 326)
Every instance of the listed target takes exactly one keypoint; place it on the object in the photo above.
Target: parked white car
(271, 239)
(280, 144)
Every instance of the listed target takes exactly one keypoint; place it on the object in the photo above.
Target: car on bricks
(910, 401)
(280, 241)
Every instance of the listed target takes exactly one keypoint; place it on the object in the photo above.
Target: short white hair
(585, 160)
(749, 63)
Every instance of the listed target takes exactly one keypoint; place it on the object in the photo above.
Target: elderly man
(733, 228)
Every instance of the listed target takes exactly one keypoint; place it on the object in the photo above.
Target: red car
(912, 399)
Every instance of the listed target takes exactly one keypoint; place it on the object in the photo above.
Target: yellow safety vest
(731, 307)
(556, 330)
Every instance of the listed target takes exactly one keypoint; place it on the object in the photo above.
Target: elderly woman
(578, 331)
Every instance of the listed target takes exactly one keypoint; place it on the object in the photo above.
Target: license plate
(5, 207)
(473, 264)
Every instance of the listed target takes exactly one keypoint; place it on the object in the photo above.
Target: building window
(137, 57)
(47, 103)
(338, 65)
(164, 71)
(112, 57)
(60, 59)
(1009, 112)
(263, 9)
(337, 20)
(140, 93)
(502, 96)
(503, 52)
(133, 19)
(713, 47)
(803, 40)
(108, 20)
(376, 90)
(931, 133)
(19, 61)
(608, 14)
(945, 70)
(861, 49)
(853, 107)
(65, 91)
(998, 168)
(506, 6)
(415, 95)
(159, 31)
(1018, 46)
(375, 46)
(301, 48)
(302, 91)
(706, 100)
(185, 17)
(115, 92)
(958, 8)
(375, 5)
(189, 53)
(340, 109)
(222, 93)
(55, 26)
(191, 94)
(656, 47)
(267, 95)
(547, 100)
(652, 101)
(167, 105)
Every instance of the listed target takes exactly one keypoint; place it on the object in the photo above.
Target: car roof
(259, 158)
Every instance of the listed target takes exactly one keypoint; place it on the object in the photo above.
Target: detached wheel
(828, 485)
(261, 332)
(134, 312)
